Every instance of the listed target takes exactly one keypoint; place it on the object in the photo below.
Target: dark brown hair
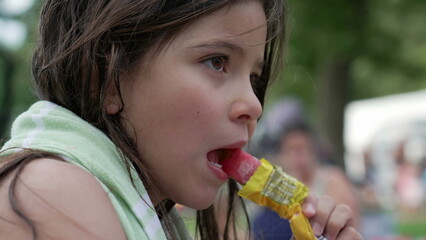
(86, 46)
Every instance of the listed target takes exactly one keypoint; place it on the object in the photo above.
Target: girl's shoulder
(61, 200)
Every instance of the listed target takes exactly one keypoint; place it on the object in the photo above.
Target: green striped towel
(49, 127)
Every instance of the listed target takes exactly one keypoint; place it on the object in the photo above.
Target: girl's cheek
(251, 128)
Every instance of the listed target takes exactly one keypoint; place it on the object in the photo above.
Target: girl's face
(194, 98)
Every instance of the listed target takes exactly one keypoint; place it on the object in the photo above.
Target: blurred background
(357, 68)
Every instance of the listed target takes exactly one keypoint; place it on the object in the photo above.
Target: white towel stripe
(149, 218)
(141, 209)
(38, 120)
(152, 228)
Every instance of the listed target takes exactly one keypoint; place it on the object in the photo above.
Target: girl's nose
(246, 108)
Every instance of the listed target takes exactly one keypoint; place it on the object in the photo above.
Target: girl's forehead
(242, 20)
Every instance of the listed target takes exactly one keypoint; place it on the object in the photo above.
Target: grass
(412, 229)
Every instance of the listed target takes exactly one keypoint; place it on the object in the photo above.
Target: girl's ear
(111, 107)
(112, 104)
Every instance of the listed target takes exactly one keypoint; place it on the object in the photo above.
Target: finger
(349, 233)
(324, 207)
(340, 218)
(309, 206)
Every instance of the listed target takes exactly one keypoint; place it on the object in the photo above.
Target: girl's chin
(200, 201)
(200, 205)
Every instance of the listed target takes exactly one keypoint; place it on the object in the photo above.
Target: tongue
(240, 165)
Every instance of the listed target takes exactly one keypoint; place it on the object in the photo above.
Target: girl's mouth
(217, 156)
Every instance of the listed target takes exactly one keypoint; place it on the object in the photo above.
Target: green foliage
(383, 40)
(395, 57)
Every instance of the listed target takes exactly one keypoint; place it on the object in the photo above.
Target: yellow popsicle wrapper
(270, 186)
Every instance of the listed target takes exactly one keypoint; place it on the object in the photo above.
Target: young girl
(137, 97)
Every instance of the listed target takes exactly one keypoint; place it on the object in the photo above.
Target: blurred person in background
(299, 155)
(368, 193)
(423, 177)
(408, 186)
(287, 140)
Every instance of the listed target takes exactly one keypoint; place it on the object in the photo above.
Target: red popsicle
(239, 165)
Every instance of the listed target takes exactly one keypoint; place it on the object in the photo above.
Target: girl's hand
(333, 221)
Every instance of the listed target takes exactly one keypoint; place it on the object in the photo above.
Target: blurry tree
(341, 51)
(15, 90)
(7, 67)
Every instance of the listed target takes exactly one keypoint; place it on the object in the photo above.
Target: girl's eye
(254, 80)
(256, 83)
(217, 63)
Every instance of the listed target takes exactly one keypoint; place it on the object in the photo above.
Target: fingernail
(317, 229)
(309, 208)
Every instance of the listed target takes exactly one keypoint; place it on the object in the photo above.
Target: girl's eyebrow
(219, 44)
(215, 44)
